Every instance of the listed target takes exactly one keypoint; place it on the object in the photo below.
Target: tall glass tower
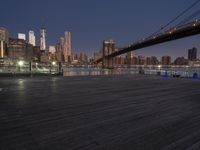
(67, 47)
(43, 39)
(4, 35)
(32, 38)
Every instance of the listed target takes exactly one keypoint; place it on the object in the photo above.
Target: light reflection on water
(183, 72)
(95, 71)
(21, 84)
(54, 86)
(21, 87)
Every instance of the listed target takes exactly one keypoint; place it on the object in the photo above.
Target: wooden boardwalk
(99, 113)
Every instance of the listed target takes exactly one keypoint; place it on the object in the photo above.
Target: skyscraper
(152, 60)
(62, 43)
(43, 39)
(166, 60)
(22, 36)
(31, 38)
(67, 52)
(129, 57)
(192, 54)
(180, 61)
(52, 49)
(4, 34)
(3, 41)
(141, 60)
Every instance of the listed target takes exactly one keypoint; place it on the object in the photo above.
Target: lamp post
(52, 64)
(21, 64)
(36, 66)
(159, 67)
(159, 72)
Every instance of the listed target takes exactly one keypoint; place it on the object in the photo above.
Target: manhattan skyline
(91, 22)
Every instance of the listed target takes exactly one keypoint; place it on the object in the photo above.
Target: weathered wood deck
(99, 113)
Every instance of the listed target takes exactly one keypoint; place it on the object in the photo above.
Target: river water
(187, 72)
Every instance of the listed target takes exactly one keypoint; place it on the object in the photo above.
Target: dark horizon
(91, 22)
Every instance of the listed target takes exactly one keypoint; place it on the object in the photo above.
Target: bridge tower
(108, 48)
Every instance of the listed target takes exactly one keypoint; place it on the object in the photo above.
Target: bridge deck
(183, 31)
(97, 113)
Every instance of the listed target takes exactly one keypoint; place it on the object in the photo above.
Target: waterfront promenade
(124, 112)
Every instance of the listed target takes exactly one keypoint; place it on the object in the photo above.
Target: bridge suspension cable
(177, 17)
(195, 14)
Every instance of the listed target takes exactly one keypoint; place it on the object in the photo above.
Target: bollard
(195, 75)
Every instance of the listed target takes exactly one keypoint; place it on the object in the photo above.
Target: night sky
(92, 21)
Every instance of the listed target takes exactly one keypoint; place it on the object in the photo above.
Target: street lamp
(159, 73)
(159, 66)
(36, 65)
(53, 63)
(20, 63)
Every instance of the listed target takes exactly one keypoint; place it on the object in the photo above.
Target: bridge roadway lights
(177, 33)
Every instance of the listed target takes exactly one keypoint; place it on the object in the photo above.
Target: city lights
(98, 75)
(53, 63)
(21, 63)
(159, 67)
